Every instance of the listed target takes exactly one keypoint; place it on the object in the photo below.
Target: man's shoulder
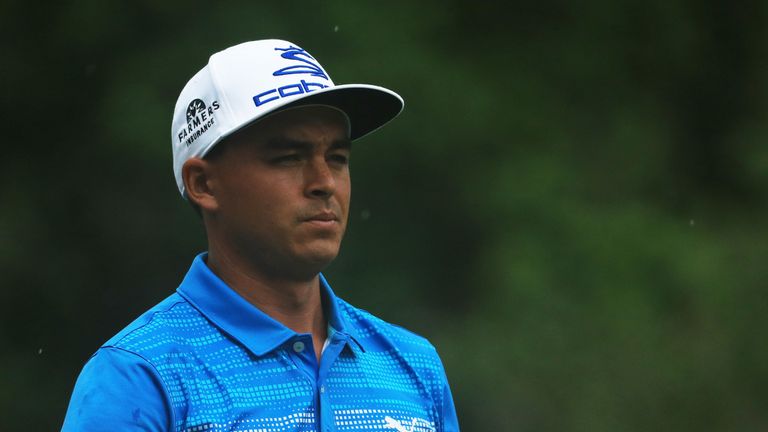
(383, 335)
(171, 322)
(394, 349)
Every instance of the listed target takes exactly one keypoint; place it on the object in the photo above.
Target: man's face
(283, 189)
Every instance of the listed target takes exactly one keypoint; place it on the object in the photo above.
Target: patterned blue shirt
(205, 359)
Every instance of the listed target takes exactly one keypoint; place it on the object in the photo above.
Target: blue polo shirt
(205, 359)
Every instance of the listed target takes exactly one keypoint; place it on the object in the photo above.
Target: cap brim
(368, 107)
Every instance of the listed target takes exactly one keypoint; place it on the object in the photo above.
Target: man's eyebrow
(286, 144)
(343, 144)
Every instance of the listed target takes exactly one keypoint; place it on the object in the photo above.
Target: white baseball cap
(246, 82)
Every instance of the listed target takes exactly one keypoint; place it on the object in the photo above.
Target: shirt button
(322, 389)
(298, 346)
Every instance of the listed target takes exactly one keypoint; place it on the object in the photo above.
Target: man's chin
(312, 261)
(321, 259)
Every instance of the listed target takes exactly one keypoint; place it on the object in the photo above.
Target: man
(254, 339)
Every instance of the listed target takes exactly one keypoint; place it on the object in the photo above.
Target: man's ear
(196, 174)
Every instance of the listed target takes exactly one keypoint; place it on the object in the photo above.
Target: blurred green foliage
(571, 207)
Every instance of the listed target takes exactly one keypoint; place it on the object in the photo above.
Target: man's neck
(297, 304)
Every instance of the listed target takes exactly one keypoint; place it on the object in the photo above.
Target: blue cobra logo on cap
(298, 54)
(309, 67)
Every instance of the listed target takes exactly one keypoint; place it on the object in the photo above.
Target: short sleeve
(448, 418)
(450, 421)
(118, 390)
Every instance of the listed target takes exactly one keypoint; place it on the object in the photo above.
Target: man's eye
(339, 158)
(289, 158)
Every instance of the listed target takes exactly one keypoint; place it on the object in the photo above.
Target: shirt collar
(259, 332)
(339, 322)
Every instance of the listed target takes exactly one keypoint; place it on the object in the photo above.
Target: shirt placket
(303, 355)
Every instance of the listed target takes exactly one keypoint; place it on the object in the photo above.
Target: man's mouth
(324, 219)
(325, 216)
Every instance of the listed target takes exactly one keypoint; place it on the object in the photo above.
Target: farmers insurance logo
(307, 65)
(199, 119)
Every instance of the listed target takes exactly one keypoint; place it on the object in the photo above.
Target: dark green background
(571, 207)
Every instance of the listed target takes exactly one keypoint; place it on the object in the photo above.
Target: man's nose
(319, 179)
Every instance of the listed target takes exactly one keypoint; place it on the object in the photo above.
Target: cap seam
(223, 100)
